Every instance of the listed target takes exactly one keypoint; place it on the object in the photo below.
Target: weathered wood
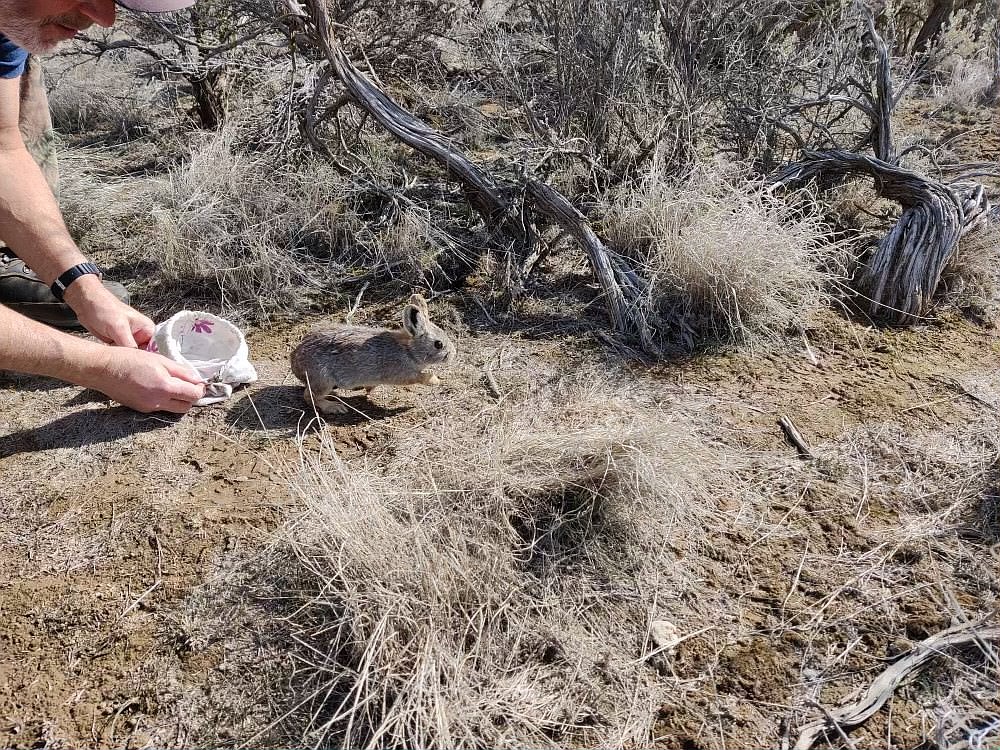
(483, 192)
(940, 12)
(900, 278)
(902, 274)
(619, 302)
(884, 104)
(795, 437)
(854, 714)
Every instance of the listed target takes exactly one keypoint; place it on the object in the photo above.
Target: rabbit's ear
(414, 320)
(417, 300)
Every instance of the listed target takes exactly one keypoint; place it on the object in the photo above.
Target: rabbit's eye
(439, 344)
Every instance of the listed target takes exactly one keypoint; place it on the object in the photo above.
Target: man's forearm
(31, 224)
(30, 221)
(30, 347)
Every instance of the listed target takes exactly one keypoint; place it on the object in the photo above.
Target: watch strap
(68, 277)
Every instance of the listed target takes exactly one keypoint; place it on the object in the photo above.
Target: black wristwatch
(68, 277)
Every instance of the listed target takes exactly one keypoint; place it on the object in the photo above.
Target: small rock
(665, 634)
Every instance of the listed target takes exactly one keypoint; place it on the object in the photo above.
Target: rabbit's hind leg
(332, 405)
(324, 400)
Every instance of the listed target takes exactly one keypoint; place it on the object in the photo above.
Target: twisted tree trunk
(901, 276)
(933, 25)
(209, 98)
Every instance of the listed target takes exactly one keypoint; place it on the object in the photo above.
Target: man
(32, 226)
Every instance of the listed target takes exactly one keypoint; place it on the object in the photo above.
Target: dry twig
(795, 437)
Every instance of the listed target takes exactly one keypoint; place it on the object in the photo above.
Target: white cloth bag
(212, 346)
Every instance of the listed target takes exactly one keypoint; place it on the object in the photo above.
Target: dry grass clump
(964, 86)
(962, 58)
(106, 213)
(251, 231)
(227, 224)
(245, 223)
(971, 279)
(492, 583)
(246, 230)
(727, 259)
(101, 99)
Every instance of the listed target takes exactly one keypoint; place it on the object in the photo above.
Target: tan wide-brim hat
(155, 6)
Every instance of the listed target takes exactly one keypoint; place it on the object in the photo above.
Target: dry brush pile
(491, 598)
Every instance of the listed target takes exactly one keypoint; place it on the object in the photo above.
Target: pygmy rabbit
(352, 357)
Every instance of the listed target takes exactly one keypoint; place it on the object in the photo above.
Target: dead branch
(900, 278)
(482, 191)
(884, 101)
(854, 714)
(795, 437)
(495, 202)
(622, 290)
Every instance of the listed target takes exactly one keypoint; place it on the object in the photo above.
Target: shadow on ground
(81, 429)
(15, 381)
(281, 407)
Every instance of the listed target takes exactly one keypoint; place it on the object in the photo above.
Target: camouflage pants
(36, 123)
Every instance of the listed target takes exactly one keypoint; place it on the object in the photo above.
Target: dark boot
(22, 291)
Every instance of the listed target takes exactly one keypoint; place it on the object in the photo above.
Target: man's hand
(107, 317)
(141, 380)
(144, 381)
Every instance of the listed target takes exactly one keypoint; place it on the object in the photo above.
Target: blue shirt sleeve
(12, 58)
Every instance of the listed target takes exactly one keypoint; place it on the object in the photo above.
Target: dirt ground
(111, 519)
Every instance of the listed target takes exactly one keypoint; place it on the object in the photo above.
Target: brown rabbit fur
(353, 357)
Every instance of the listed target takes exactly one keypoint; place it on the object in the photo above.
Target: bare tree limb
(884, 102)
(902, 274)
(493, 200)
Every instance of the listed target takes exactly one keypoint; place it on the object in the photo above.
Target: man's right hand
(107, 317)
(145, 381)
